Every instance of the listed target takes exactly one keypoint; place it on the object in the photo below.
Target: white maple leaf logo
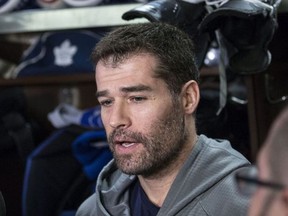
(64, 54)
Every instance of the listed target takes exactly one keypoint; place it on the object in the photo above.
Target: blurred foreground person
(269, 182)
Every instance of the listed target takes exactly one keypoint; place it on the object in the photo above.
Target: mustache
(126, 134)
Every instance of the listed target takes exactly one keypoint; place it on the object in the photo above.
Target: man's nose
(119, 116)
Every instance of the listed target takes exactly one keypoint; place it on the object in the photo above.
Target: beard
(162, 145)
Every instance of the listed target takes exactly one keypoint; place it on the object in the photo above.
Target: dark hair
(173, 49)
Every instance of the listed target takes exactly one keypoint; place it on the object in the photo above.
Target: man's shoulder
(225, 198)
(88, 207)
(220, 148)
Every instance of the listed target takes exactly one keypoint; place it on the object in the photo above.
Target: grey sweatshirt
(204, 186)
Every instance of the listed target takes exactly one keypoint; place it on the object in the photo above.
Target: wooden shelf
(49, 80)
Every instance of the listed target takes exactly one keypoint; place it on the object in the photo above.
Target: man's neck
(157, 186)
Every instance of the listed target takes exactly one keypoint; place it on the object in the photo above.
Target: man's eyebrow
(101, 93)
(136, 88)
(128, 89)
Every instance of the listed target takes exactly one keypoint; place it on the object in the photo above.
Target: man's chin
(128, 167)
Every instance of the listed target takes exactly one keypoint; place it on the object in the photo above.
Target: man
(271, 195)
(147, 86)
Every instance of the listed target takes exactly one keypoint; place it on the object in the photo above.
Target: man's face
(266, 201)
(145, 128)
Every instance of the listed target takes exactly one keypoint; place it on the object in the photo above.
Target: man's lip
(124, 141)
(127, 148)
(119, 140)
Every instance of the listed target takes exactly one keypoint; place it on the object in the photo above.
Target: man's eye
(105, 103)
(138, 99)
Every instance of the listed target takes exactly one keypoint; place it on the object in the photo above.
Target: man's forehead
(131, 71)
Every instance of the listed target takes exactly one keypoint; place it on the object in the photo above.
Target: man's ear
(190, 96)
